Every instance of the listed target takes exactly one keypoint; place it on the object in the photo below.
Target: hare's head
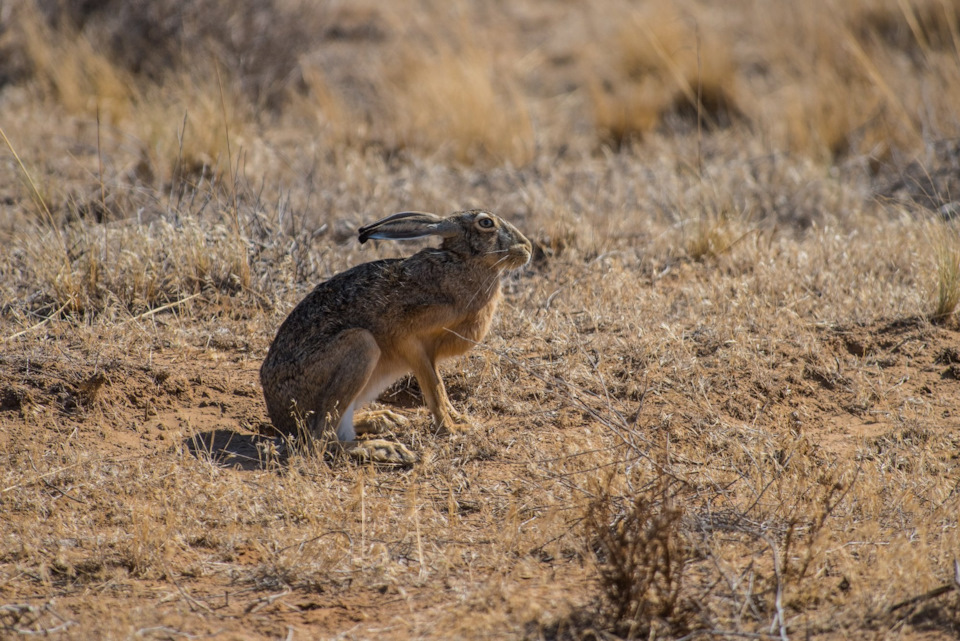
(473, 235)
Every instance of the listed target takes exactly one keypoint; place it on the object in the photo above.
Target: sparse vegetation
(719, 402)
(642, 558)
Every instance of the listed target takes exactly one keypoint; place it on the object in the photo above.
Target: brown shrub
(642, 553)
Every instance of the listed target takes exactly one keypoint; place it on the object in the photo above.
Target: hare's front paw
(456, 423)
(378, 422)
(383, 451)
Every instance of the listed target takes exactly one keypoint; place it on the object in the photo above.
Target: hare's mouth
(519, 255)
(514, 257)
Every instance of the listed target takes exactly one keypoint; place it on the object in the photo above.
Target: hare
(361, 330)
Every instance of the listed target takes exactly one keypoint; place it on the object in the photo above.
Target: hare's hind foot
(381, 451)
(379, 421)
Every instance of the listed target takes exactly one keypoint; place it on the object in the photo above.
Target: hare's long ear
(406, 225)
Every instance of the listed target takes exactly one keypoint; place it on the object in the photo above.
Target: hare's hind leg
(336, 378)
(327, 385)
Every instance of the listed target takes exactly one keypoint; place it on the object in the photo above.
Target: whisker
(489, 288)
(495, 281)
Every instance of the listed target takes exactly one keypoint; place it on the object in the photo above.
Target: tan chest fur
(461, 337)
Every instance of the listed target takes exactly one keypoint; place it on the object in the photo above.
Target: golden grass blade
(38, 325)
(26, 174)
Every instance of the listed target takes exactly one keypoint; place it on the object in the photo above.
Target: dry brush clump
(179, 118)
(730, 533)
(876, 97)
(642, 554)
(259, 44)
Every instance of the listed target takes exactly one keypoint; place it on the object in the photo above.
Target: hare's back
(347, 300)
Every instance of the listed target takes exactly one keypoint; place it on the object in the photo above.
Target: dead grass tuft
(642, 555)
(461, 102)
(70, 70)
(134, 267)
(945, 242)
(189, 126)
(668, 61)
(852, 92)
(916, 28)
(715, 234)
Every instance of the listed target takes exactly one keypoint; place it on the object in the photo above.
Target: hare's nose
(523, 249)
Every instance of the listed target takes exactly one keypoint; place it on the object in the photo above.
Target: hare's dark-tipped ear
(405, 225)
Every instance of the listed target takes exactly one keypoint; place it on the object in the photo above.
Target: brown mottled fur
(359, 331)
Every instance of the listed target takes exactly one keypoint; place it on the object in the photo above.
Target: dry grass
(643, 555)
(715, 404)
(824, 79)
(461, 104)
(69, 69)
(946, 248)
(666, 64)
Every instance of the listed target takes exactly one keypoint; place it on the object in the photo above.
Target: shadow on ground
(233, 449)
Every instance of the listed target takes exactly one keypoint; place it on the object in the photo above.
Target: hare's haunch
(360, 331)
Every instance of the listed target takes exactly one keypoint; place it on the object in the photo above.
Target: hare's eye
(486, 223)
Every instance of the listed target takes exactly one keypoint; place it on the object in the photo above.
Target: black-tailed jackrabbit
(360, 331)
